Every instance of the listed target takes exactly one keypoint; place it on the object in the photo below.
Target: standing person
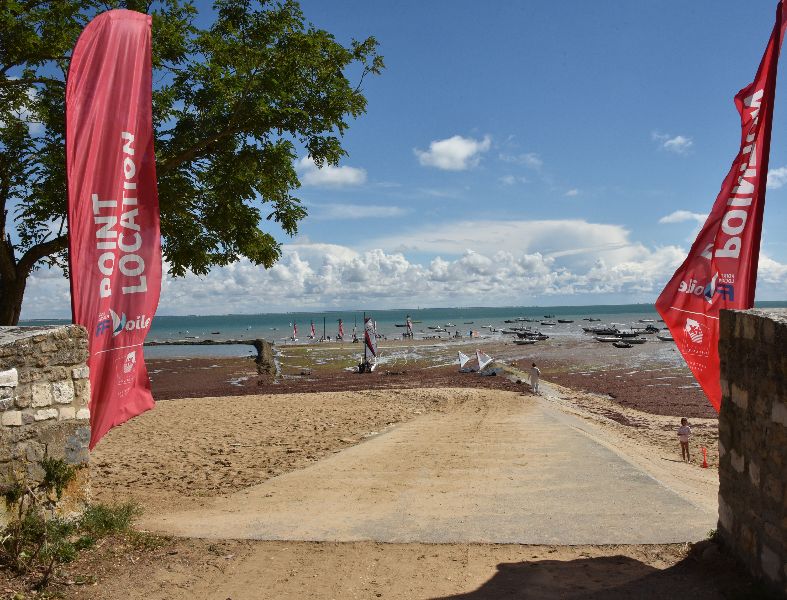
(684, 432)
(535, 374)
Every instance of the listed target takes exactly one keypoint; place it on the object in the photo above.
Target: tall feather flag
(721, 268)
(113, 211)
(463, 358)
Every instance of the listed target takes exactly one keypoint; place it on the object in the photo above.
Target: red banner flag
(113, 213)
(721, 269)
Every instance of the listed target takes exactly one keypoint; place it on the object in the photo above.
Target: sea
(278, 327)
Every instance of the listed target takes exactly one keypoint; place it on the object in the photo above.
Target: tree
(233, 104)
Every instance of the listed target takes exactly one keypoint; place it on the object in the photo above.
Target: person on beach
(535, 374)
(684, 432)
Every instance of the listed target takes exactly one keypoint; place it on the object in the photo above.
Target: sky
(513, 153)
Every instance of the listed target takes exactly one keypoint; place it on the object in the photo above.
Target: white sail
(463, 358)
(483, 359)
(370, 336)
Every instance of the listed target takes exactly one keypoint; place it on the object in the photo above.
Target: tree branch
(194, 151)
(39, 251)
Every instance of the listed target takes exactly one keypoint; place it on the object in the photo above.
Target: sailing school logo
(117, 324)
(722, 286)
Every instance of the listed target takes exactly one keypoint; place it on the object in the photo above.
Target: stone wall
(753, 441)
(44, 393)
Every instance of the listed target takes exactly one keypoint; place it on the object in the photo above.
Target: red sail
(113, 212)
(721, 268)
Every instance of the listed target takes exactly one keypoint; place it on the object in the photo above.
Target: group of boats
(628, 338)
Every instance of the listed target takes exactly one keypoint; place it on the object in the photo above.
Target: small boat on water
(449, 325)
(549, 316)
(591, 319)
(215, 332)
(565, 321)
(400, 324)
(468, 322)
(525, 342)
(510, 321)
(621, 344)
(665, 337)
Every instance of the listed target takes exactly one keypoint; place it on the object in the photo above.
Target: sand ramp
(498, 469)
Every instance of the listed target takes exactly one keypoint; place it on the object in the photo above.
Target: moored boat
(621, 344)
(565, 320)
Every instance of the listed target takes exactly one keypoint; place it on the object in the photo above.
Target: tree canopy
(233, 104)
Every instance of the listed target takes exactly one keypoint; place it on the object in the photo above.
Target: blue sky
(517, 153)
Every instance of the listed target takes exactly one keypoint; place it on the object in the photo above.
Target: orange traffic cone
(704, 457)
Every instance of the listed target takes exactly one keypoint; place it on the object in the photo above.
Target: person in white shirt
(684, 432)
(535, 374)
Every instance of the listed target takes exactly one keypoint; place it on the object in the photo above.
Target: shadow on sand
(616, 577)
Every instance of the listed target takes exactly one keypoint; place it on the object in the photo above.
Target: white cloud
(338, 211)
(456, 153)
(677, 144)
(572, 192)
(512, 179)
(323, 276)
(777, 178)
(680, 216)
(328, 175)
(528, 159)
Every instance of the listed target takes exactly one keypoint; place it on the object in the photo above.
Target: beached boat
(449, 325)
(601, 330)
(603, 338)
(647, 320)
(549, 316)
(636, 340)
(400, 324)
(468, 322)
(550, 323)
(510, 321)
(621, 344)
(565, 321)
(592, 319)
(665, 337)
(524, 342)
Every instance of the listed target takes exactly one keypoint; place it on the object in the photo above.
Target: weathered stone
(6, 403)
(779, 413)
(66, 412)
(81, 392)
(80, 373)
(42, 395)
(739, 396)
(737, 461)
(24, 397)
(726, 516)
(12, 418)
(45, 413)
(771, 565)
(754, 474)
(753, 432)
(83, 414)
(9, 378)
(773, 488)
(63, 392)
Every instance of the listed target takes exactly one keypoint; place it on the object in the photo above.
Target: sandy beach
(220, 430)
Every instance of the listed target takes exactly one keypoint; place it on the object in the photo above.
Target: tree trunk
(11, 294)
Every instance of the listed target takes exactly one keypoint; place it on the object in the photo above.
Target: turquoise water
(277, 327)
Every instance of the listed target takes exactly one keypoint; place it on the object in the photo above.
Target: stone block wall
(753, 441)
(44, 393)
